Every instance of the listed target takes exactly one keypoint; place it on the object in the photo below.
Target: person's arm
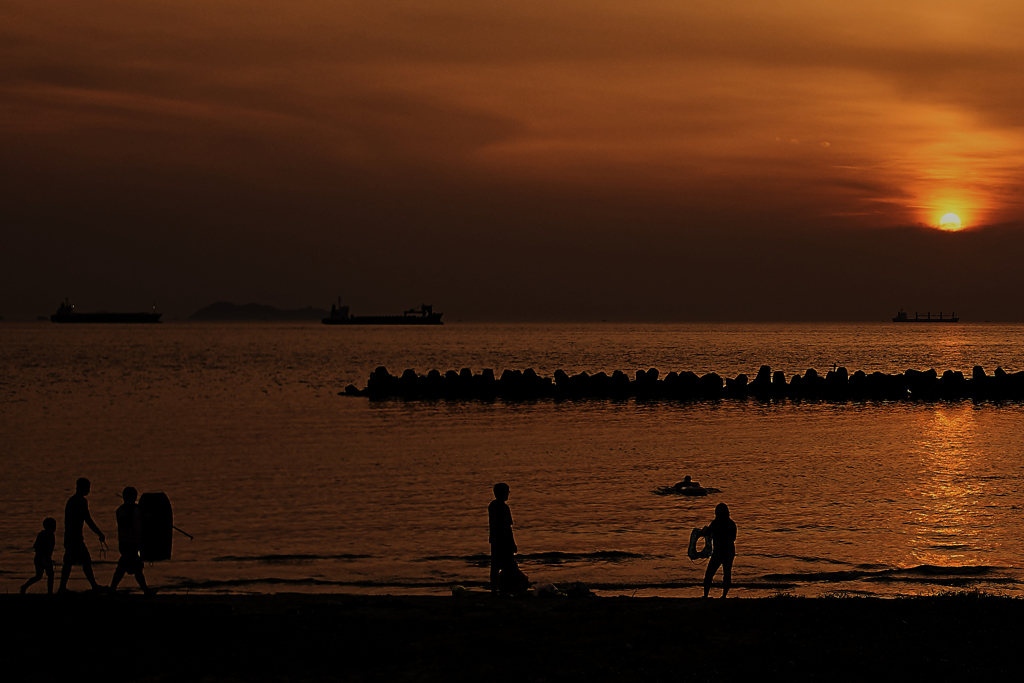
(511, 536)
(92, 525)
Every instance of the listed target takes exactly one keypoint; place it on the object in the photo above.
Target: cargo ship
(424, 315)
(902, 317)
(67, 314)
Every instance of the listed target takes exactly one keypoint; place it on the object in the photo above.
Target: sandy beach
(291, 637)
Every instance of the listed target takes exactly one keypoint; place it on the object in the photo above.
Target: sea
(287, 485)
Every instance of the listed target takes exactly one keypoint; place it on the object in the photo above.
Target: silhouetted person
(129, 541)
(723, 549)
(45, 542)
(503, 543)
(76, 513)
(686, 483)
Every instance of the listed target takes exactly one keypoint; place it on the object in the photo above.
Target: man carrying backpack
(129, 541)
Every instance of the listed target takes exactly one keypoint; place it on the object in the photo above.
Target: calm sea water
(288, 486)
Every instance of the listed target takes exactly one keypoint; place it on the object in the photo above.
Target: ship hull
(105, 317)
(927, 320)
(902, 317)
(434, 319)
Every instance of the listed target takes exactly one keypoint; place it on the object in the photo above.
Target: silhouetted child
(503, 543)
(45, 542)
(723, 549)
(129, 541)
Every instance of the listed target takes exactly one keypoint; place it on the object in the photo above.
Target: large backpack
(157, 526)
(512, 580)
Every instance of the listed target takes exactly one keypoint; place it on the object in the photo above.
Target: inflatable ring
(705, 552)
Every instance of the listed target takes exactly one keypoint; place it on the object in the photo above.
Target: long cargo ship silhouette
(66, 313)
(902, 317)
(424, 315)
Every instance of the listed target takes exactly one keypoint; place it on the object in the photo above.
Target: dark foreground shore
(476, 638)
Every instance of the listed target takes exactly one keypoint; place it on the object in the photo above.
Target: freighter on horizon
(66, 313)
(424, 315)
(902, 317)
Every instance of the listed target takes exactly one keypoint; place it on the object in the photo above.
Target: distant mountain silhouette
(223, 310)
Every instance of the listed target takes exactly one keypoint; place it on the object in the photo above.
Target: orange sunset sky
(556, 160)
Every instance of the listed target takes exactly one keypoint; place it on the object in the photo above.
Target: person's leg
(65, 572)
(727, 574)
(118, 575)
(37, 577)
(495, 568)
(87, 569)
(713, 564)
(501, 562)
(49, 579)
(141, 579)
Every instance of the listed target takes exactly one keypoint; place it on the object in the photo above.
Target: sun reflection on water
(947, 523)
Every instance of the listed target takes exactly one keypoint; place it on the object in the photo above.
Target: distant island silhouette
(223, 310)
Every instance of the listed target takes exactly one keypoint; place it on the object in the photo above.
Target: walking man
(76, 513)
(129, 541)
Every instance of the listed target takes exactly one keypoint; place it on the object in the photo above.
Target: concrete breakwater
(836, 384)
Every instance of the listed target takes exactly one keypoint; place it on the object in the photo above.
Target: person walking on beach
(76, 513)
(45, 542)
(503, 543)
(129, 541)
(723, 549)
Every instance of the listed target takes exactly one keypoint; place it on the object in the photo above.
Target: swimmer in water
(686, 483)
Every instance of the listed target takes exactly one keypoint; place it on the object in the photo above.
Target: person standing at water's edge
(503, 543)
(723, 549)
(76, 513)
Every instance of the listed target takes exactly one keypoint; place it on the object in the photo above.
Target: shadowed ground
(477, 638)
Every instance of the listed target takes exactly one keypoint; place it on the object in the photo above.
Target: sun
(949, 222)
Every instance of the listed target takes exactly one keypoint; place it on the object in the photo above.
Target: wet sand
(288, 637)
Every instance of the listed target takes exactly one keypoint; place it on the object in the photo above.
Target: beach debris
(577, 589)
(545, 590)
(574, 589)
(512, 581)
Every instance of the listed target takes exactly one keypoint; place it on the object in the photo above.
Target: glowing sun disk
(950, 222)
